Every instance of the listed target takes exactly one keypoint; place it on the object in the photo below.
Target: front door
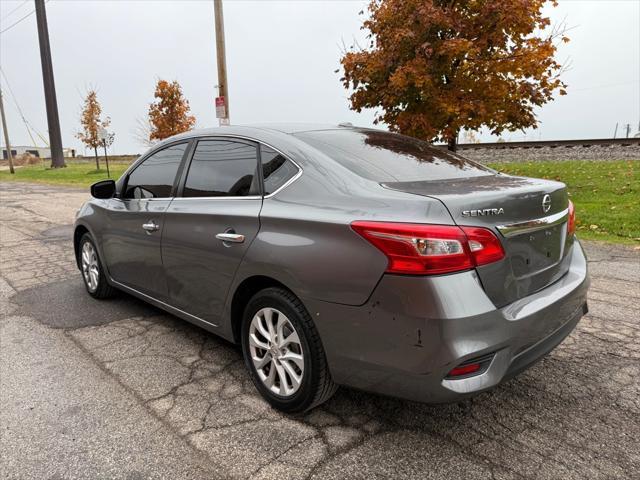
(210, 225)
(131, 241)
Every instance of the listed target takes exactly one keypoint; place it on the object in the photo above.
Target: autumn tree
(434, 67)
(91, 124)
(169, 114)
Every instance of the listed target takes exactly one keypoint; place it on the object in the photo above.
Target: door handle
(230, 237)
(150, 226)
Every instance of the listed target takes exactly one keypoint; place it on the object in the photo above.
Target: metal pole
(106, 159)
(53, 121)
(221, 58)
(615, 132)
(5, 128)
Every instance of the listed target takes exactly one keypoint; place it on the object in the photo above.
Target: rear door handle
(230, 237)
(150, 226)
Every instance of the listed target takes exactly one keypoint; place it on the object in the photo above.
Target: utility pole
(222, 103)
(7, 144)
(53, 121)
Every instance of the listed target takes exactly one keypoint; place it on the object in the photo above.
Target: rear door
(210, 224)
(131, 241)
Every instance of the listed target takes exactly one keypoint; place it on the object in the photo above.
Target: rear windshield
(384, 156)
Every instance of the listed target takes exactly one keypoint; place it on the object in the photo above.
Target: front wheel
(283, 352)
(93, 275)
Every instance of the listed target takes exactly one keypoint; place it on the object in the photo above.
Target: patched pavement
(119, 389)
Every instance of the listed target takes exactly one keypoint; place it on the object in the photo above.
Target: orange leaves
(91, 121)
(169, 114)
(437, 67)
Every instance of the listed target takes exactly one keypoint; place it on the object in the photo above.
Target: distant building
(40, 152)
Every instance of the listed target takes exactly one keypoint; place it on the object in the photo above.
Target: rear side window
(276, 169)
(154, 177)
(384, 156)
(222, 168)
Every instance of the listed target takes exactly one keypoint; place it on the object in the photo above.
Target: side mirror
(103, 189)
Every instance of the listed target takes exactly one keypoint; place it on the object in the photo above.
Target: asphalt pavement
(120, 390)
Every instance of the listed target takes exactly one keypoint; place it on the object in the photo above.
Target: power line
(28, 125)
(16, 23)
(16, 9)
(20, 20)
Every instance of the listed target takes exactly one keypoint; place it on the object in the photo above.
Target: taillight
(571, 222)
(419, 249)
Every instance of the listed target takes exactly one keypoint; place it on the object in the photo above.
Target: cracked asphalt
(118, 389)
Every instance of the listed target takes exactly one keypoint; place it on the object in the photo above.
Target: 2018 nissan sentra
(342, 256)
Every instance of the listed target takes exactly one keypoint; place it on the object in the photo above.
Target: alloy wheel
(90, 268)
(276, 351)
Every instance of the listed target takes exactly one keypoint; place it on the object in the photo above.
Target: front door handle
(230, 237)
(150, 226)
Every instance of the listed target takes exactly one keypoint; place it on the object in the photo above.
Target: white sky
(281, 58)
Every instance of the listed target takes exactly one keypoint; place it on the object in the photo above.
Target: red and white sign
(221, 108)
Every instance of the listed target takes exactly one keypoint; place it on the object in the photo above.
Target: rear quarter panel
(306, 241)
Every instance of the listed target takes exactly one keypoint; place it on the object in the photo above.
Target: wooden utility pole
(5, 128)
(53, 121)
(223, 90)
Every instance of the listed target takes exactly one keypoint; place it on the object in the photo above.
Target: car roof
(287, 128)
(292, 128)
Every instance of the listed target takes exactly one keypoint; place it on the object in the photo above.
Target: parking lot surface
(118, 389)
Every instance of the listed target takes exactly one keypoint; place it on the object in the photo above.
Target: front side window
(154, 177)
(222, 168)
(276, 169)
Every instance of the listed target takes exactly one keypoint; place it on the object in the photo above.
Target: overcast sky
(281, 58)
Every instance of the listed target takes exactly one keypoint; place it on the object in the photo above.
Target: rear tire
(286, 360)
(92, 270)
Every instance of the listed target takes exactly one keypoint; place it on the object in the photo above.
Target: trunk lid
(533, 234)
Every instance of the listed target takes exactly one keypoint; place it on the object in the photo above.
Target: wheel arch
(78, 232)
(243, 293)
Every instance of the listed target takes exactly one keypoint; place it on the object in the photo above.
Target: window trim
(285, 184)
(242, 139)
(141, 160)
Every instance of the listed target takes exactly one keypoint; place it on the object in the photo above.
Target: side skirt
(210, 327)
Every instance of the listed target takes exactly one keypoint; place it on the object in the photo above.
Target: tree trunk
(95, 151)
(452, 144)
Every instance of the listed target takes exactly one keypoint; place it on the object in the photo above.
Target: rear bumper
(414, 330)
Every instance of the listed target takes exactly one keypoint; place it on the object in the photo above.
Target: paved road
(118, 389)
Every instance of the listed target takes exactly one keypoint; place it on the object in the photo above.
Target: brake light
(571, 222)
(420, 249)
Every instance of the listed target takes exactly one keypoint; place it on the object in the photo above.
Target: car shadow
(66, 304)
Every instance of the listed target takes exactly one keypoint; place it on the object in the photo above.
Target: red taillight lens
(484, 245)
(418, 249)
(464, 370)
(571, 223)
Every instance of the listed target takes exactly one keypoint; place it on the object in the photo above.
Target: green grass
(78, 173)
(606, 195)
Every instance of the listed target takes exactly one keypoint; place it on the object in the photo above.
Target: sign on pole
(103, 134)
(221, 108)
